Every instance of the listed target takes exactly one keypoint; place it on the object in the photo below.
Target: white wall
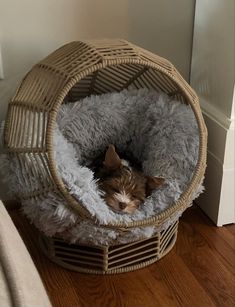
(164, 27)
(213, 77)
(31, 29)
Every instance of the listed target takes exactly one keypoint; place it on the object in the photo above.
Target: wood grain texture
(198, 272)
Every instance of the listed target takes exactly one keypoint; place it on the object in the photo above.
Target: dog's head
(125, 188)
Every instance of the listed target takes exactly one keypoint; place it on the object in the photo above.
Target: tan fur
(122, 183)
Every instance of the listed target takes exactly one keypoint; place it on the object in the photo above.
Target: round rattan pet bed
(74, 71)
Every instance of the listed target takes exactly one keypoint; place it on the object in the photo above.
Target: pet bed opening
(114, 78)
(132, 119)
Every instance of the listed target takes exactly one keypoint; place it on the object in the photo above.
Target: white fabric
(20, 284)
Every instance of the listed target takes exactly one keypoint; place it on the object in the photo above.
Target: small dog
(124, 188)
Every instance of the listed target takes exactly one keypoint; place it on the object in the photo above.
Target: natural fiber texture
(110, 259)
(74, 71)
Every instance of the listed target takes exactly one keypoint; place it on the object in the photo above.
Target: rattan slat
(164, 242)
(78, 256)
(133, 244)
(128, 256)
(72, 251)
(81, 262)
(131, 260)
(165, 233)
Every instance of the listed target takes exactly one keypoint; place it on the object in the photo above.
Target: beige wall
(31, 29)
(164, 27)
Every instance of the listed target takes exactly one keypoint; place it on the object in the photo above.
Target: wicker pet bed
(73, 72)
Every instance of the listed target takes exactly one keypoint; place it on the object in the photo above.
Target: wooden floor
(198, 272)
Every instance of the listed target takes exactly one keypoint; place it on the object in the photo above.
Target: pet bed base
(110, 259)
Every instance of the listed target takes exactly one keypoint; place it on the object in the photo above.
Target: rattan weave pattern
(110, 259)
(77, 70)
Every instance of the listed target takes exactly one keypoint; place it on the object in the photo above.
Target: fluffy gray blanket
(158, 131)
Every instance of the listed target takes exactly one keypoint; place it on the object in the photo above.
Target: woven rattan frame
(110, 259)
(76, 70)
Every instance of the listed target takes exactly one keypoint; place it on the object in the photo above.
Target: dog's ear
(112, 161)
(152, 183)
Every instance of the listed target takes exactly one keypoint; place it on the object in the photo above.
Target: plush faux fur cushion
(160, 132)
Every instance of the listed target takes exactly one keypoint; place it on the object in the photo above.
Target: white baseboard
(226, 213)
(218, 200)
(209, 201)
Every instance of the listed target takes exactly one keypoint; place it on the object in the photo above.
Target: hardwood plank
(206, 265)
(161, 291)
(231, 228)
(113, 291)
(221, 241)
(227, 232)
(187, 291)
(226, 235)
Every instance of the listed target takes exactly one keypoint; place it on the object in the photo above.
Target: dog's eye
(137, 197)
(134, 195)
(115, 190)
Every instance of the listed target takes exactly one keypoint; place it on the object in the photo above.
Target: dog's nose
(122, 206)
